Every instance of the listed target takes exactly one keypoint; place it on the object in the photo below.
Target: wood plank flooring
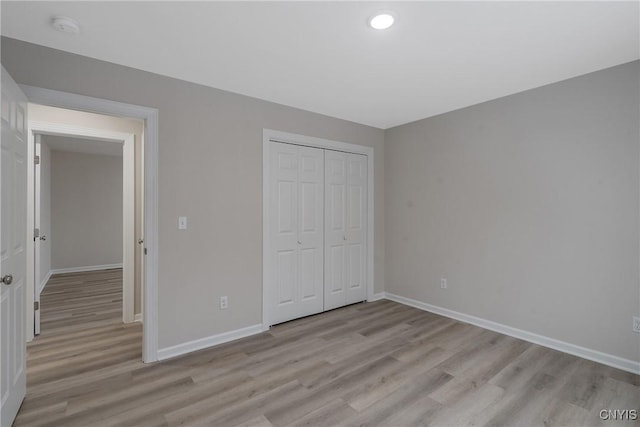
(378, 364)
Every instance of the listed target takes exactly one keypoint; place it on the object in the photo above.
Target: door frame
(37, 128)
(270, 135)
(149, 115)
(34, 213)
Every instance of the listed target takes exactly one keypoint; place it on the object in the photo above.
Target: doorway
(149, 116)
(86, 232)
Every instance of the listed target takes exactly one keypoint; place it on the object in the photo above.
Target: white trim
(138, 317)
(150, 116)
(311, 141)
(266, 240)
(565, 347)
(85, 268)
(199, 344)
(129, 244)
(377, 297)
(34, 193)
(269, 135)
(128, 197)
(44, 281)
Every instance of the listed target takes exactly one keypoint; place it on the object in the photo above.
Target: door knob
(7, 279)
(299, 242)
(140, 241)
(43, 237)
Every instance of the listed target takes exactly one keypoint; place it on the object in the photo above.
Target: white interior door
(345, 229)
(296, 232)
(13, 235)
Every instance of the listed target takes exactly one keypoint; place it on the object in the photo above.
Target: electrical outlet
(443, 283)
(224, 303)
(636, 324)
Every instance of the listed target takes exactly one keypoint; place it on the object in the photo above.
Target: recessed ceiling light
(65, 25)
(381, 20)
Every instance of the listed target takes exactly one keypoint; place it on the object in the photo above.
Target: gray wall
(210, 169)
(529, 205)
(86, 210)
(45, 211)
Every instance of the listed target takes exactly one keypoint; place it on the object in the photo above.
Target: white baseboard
(138, 318)
(86, 268)
(44, 281)
(377, 297)
(199, 344)
(576, 350)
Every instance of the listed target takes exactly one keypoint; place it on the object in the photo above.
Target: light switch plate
(182, 223)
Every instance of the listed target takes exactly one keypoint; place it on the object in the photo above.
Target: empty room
(320, 213)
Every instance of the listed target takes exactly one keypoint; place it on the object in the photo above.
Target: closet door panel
(283, 223)
(287, 274)
(356, 289)
(311, 230)
(286, 195)
(336, 208)
(335, 236)
(355, 256)
(309, 276)
(336, 283)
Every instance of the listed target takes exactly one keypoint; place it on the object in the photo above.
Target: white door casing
(150, 117)
(345, 229)
(296, 227)
(13, 239)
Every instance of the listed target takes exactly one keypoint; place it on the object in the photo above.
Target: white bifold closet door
(297, 231)
(345, 229)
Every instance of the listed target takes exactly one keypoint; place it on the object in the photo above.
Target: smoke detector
(65, 24)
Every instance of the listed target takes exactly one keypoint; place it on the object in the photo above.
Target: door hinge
(36, 160)
(36, 305)
(36, 234)
(145, 251)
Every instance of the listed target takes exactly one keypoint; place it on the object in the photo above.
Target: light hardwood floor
(377, 363)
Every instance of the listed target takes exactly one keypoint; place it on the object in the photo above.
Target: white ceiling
(322, 57)
(82, 145)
